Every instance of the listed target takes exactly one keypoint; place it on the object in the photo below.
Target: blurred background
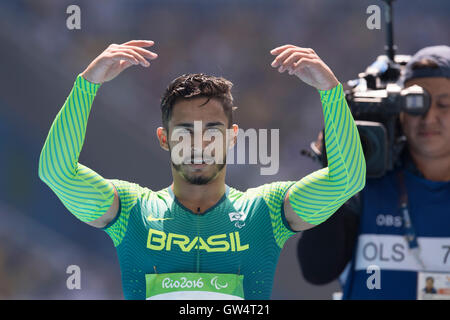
(40, 59)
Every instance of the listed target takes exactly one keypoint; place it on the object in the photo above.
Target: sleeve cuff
(334, 94)
(86, 86)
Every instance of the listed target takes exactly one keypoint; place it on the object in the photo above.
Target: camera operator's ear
(319, 148)
(318, 144)
(162, 138)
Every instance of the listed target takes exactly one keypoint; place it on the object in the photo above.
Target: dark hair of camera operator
(325, 252)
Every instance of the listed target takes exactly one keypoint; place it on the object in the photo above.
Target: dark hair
(424, 64)
(196, 85)
(414, 70)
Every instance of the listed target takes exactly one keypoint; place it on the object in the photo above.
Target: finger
(143, 52)
(280, 49)
(141, 59)
(294, 57)
(139, 43)
(118, 56)
(303, 62)
(285, 54)
(300, 64)
(281, 57)
(125, 64)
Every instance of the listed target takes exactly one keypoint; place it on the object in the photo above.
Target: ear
(161, 134)
(232, 138)
(401, 120)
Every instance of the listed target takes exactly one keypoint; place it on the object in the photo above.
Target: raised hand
(305, 64)
(116, 58)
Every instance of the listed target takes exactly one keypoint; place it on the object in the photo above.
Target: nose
(432, 115)
(203, 138)
(199, 146)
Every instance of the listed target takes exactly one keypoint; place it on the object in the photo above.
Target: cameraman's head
(428, 135)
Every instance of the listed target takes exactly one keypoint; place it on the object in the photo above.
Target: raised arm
(317, 196)
(91, 198)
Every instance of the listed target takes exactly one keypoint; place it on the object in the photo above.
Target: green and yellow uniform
(233, 247)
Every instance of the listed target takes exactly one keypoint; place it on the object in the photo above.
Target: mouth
(199, 162)
(429, 133)
(197, 165)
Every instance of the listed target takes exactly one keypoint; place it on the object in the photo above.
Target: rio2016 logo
(182, 283)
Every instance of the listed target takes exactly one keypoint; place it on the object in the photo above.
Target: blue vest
(381, 237)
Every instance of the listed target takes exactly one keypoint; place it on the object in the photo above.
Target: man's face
(429, 135)
(211, 121)
(430, 283)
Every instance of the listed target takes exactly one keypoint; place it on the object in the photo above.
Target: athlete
(200, 238)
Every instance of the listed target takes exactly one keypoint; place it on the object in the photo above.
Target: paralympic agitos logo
(159, 240)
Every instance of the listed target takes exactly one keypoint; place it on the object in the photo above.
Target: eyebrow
(191, 125)
(442, 95)
(214, 124)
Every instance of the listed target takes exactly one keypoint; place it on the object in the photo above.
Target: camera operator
(400, 222)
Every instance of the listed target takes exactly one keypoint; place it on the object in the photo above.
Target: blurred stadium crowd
(40, 59)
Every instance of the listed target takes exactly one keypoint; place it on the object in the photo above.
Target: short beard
(199, 180)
